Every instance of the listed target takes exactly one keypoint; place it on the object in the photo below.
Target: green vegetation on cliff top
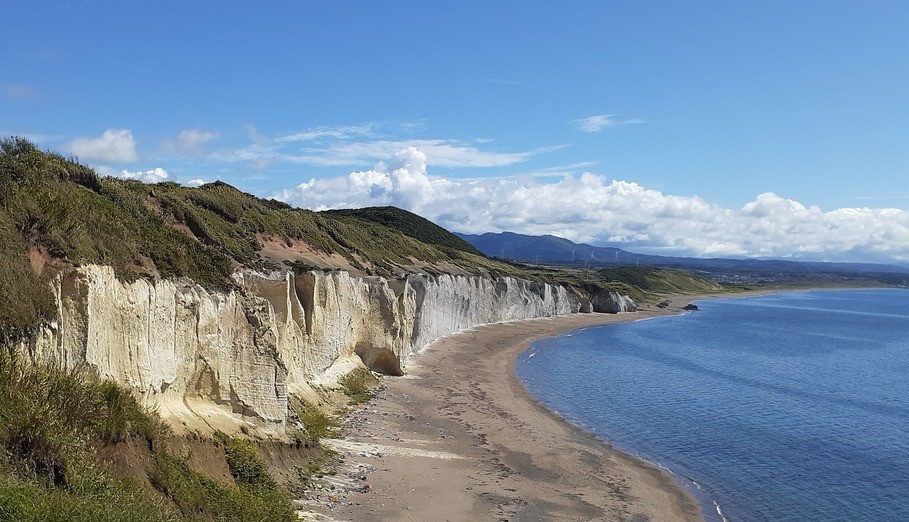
(411, 225)
(54, 210)
(643, 281)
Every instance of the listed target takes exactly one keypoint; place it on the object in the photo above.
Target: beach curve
(461, 438)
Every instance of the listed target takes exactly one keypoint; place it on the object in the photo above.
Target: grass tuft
(247, 466)
(314, 424)
(360, 385)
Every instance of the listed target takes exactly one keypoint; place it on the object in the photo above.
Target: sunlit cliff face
(216, 360)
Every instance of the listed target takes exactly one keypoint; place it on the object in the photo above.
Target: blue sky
(774, 129)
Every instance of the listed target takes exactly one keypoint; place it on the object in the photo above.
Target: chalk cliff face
(222, 359)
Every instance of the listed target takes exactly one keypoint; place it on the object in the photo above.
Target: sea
(793, 406)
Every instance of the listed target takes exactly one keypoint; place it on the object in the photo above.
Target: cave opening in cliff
(380, 360)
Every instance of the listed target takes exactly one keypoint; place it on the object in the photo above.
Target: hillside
(644, 282)
(56, 213)
(410, 225)
(560, 251)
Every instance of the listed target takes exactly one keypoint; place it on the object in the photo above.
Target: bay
(792, 406)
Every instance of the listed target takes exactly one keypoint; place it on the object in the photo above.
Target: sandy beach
(460, 438)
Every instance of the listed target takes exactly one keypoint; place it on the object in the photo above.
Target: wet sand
(460, 438)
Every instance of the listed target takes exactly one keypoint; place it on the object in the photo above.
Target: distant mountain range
(557, 250)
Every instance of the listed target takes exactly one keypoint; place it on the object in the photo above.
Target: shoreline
(469, 442)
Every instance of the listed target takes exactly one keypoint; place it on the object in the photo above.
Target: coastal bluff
(208, 359)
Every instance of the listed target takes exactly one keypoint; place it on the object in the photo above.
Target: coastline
(461, 438)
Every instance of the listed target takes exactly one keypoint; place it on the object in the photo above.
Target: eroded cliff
(224, 359)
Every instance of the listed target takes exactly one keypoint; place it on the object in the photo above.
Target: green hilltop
(409, 224)
(56, 212)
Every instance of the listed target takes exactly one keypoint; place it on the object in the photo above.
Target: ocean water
(793, 406)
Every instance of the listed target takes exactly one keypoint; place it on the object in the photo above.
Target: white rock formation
(222, 359)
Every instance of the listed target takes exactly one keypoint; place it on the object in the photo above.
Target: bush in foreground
(53, 424)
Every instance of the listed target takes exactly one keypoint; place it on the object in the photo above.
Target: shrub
(359, 384)
(199, 497)
(315, 423)
(247, 466)
(51, 422)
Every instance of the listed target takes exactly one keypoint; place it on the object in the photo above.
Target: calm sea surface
(786, 407)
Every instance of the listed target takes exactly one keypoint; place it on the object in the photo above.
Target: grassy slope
(51, 204)
(643, 282)
(53, 426)
(411, 225)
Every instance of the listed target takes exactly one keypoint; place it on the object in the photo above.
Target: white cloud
(594, 209)
(442, 153)
(601, 121)
(190, 142)
(115, 146)
(155, 175)
(338, 133)
(17, 92)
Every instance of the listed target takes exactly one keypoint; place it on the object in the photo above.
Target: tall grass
(52, 424)
(199, 497)
(50, 418)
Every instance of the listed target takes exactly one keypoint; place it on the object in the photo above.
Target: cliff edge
(215, 306)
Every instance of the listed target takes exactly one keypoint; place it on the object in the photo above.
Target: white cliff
(222, 359)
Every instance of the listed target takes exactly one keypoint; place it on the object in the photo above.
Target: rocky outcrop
(222, 359)
(596, 299)
(611, 302)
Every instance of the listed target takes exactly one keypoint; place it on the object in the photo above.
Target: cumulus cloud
(115, 146)
(591, 208)
(402, 182)
(601, 121)
(190, 142)
(155, 175)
